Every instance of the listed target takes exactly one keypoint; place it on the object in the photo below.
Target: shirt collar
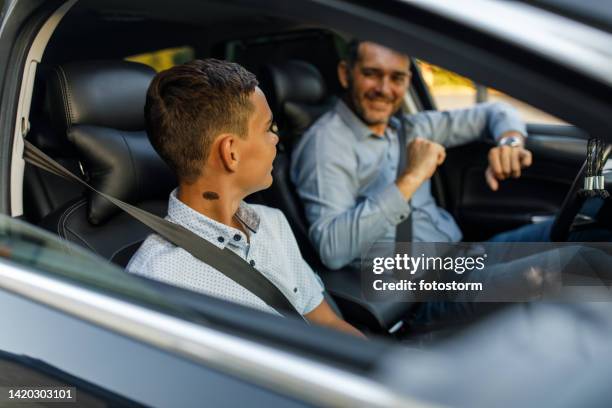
(208, 228)
(359, 128)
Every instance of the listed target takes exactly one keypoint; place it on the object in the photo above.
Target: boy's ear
(343, 74)
(228, 152)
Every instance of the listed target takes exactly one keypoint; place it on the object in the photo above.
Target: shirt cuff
(506, 120)
(500, 130)
(394, 206)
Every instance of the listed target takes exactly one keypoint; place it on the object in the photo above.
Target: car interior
(87, 114)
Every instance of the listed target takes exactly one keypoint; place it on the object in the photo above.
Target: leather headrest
(102, 93)
(292, 81)
(122, 164)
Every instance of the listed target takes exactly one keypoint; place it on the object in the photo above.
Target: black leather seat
(43, 191)
(98, 106)
(298, 96)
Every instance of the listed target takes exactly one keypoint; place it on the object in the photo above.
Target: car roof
(596, 13)
(569, 43)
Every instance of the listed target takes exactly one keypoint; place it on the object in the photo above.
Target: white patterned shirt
(272, 250)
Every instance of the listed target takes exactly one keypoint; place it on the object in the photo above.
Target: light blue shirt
(345, 176)
(272, 250)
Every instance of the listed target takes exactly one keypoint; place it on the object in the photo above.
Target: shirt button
(402, 217)
(252, 262)
(294, 290)
(221, 239)
(237, 237)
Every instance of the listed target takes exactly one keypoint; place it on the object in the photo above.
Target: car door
(73, 321)
(558, 152)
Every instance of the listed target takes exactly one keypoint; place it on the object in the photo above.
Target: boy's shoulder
(153, 251)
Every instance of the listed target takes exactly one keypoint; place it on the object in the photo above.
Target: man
(345, 166)
(211, 124)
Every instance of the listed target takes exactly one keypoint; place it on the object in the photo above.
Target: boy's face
(258, 149)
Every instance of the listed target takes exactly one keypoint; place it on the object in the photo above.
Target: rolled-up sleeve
(456, 127)
(342, 224)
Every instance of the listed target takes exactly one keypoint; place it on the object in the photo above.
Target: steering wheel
(571, 205)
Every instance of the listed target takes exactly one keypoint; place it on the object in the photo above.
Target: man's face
(258, 149)
(377, 82)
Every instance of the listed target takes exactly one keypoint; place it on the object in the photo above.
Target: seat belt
(223, 260)
(403, 230)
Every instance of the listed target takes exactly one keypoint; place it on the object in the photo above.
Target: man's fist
(424, 157)
(506, 162)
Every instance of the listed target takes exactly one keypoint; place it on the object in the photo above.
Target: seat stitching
(66, 229)
(133, 164)
(67, 98)
(69, 212)
(123, 247)
(64, 217)
(60, 222)
(84, 241)
(60, 79)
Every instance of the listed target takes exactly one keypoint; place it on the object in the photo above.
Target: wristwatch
(512, 141)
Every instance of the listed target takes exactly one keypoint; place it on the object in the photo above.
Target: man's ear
(228, 152)
(343, 74)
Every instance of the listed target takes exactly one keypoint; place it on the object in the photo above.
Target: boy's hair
(188, 105)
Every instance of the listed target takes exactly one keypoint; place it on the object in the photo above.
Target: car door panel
(125, 372)
(561, 144)
(558, 153)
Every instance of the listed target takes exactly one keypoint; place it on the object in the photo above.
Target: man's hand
(505, 162)
(424, 157)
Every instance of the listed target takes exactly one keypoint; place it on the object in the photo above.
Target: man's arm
(460, 126)
(499, 120)
(324, 315)
(343, 225)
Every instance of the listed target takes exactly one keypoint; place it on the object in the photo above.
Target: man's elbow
(333, 262)
(333, 251)
(331, 257)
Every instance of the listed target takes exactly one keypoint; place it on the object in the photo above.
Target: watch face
(512, 141)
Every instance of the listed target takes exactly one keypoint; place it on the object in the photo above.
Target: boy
(212, 125)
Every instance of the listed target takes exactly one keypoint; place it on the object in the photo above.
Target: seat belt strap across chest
(223, 260)
(403, 230)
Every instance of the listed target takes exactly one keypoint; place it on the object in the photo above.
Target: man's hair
(188, 105)
(352, 52)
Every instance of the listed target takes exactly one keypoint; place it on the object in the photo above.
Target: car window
(453, 91)
(34, 248)
(165, 58)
